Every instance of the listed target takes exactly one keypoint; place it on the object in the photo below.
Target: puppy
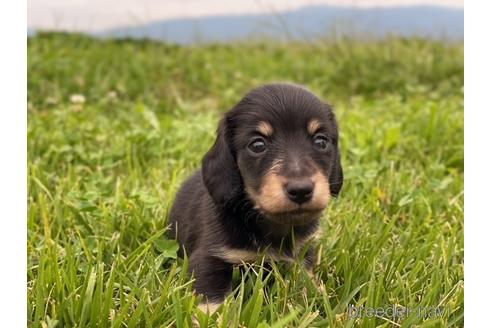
(262, 186)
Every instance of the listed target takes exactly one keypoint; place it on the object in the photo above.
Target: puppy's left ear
(220, 172)
(335, 177)
(336, 174)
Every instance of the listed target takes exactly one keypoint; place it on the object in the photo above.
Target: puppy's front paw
(206, 308)
(318, 282)
(209, 307)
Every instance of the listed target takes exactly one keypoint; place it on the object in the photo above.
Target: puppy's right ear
(219, 168)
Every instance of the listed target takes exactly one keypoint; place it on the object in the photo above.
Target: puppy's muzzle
(300, 190)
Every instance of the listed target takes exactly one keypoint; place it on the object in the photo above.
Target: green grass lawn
(102, 176)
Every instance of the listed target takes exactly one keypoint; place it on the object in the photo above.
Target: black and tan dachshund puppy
(262, 186)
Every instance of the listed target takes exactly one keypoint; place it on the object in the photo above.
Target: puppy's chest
(253, 253)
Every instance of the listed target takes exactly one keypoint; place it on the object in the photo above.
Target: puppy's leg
(309, 258)
(309, 262)
(213, 279)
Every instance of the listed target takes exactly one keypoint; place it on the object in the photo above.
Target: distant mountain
(306, 23)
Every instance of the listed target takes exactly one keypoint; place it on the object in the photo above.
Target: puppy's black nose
(299, 191)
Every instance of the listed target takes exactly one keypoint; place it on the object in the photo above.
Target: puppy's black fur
(262, 186)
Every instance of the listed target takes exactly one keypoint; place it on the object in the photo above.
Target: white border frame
(13, 171)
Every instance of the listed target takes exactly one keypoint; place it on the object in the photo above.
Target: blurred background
(188, 21)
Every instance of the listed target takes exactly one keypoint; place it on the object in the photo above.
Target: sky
(99, 15)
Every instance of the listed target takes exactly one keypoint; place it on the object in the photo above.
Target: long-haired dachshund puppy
(262, 186)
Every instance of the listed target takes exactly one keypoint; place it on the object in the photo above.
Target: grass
(102, 175)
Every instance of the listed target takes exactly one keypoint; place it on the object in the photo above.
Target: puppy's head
(279, 147)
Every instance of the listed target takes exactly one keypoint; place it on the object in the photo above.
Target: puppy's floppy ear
(219, 168)
(335, 177)
(336, 174)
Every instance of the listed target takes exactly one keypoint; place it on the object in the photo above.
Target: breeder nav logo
(396, 311)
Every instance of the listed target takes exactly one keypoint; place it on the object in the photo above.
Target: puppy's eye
(321, 142)
(257, 146)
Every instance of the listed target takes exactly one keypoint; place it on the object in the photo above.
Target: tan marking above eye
(313, 126)
(265, 128)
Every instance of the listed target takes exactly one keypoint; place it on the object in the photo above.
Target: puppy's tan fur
(272, 199)
(313, 126)
(265, 128)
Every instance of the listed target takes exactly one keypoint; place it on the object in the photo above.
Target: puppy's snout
(299, 191)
